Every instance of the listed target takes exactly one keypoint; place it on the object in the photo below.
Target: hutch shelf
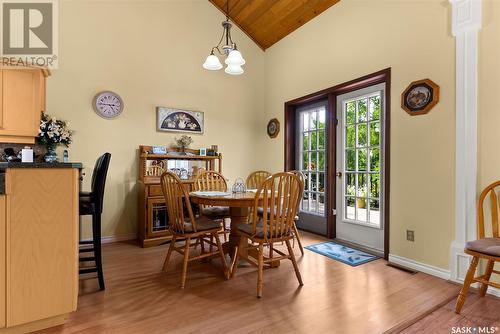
(153, 228)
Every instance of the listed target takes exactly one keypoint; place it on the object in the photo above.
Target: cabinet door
(2, 261)
(157, 224)
(21, 102)
(42, 259)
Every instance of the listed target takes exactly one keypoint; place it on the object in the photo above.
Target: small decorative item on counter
(239, 186)
(52, 133)
(215, 148)
(183, 142)
(27, 154)
(65, 156)
(203, 152)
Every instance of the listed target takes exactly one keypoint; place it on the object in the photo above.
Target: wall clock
(273, 128)
(107, 104)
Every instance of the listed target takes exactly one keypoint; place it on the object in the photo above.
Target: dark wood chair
(91, 203)
(185, 227)
(280, 197)
(487, 248)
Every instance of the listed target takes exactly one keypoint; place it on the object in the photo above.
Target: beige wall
(358, 37)
(149, 52)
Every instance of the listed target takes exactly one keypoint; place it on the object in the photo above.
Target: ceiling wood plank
(268, 21)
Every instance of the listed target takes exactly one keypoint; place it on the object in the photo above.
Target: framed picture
(177, 120)
(203, 151)
(273, 128)
(420, 97)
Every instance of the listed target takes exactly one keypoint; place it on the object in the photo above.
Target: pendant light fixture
(234, 60)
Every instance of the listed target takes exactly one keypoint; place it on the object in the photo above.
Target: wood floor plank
(335, 298)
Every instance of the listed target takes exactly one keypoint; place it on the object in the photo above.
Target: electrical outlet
(410, 235)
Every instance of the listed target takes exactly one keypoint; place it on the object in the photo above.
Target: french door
(311, 159)
(360, 167)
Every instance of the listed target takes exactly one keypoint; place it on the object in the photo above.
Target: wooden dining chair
(487, 248)
(185, 227)
(296, 234)
(255, 179)
(208, 180)
(280, 195)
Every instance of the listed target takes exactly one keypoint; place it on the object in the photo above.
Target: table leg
(238, 216)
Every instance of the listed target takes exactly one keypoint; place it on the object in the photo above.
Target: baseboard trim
(116, 238)
(418, 266)
(494, 291)
(431, 270)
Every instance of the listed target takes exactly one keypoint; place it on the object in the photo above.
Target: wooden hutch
(153, 228)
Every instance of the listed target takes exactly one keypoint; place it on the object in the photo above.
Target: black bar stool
(91, 204)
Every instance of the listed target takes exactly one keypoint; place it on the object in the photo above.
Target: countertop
(5, 165)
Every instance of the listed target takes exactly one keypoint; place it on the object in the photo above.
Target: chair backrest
(493, 210)
(280, 195)
(207, 180)
(301, 177)
(176, 200)
(99, 180)
(255, 179)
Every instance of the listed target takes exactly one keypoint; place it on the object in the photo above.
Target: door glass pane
(313, 159)
(374, 212)
(375, 160)
(374, 133)
(374, 107)
(351, 112)
(362, 159)
(362, 136)
(350, 212)
(361, 111)
(350, 157)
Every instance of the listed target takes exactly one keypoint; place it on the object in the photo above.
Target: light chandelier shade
(212, 63)
(234, 60)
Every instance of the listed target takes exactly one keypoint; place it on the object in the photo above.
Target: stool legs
(96, 236)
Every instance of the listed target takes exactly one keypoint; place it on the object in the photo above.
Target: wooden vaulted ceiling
(268, 21)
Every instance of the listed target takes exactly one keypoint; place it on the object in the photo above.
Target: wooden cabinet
(40, 217)
(153, 228)
(3, 287)
(22, 97)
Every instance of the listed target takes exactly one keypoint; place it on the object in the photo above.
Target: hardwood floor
(335, 298)
(476, 312)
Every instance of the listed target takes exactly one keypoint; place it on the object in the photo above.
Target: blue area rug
(342, 253)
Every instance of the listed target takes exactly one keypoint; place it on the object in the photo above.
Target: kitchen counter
(5, 165)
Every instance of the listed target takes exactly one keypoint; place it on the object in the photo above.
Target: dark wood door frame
(330, 94)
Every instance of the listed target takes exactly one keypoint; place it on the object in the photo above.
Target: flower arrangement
(53, 132)
(183, 142)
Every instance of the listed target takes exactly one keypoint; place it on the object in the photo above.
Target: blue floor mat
(342, 253)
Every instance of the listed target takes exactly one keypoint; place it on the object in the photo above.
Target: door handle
(339, 174)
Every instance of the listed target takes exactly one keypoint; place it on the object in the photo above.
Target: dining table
(240, 208)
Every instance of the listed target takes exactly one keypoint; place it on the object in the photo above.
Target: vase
(51, 155)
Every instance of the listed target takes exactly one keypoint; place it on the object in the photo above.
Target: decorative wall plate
(273, 128)
(420, 97)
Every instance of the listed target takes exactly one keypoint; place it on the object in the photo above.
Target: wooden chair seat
(216, 212)
(487, 246)
(203, 224)
(259, 231)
